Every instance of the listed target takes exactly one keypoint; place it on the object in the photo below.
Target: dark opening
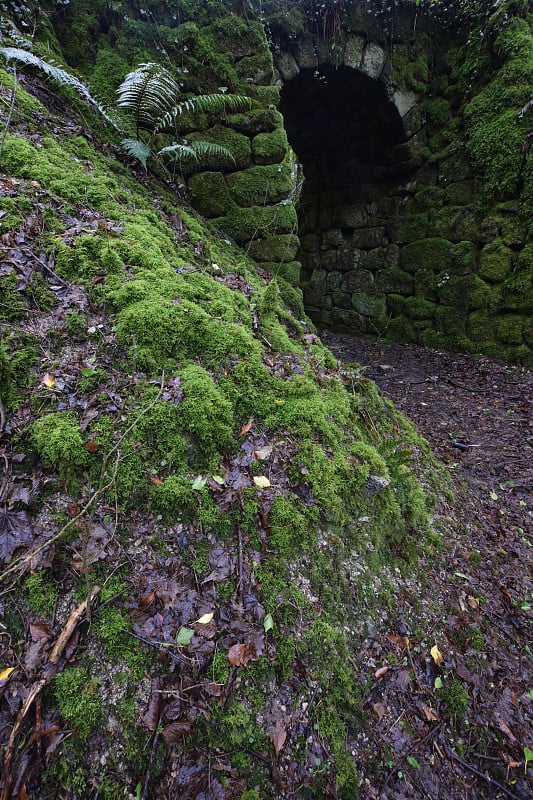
(349, 138)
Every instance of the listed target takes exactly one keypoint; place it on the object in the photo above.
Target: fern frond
(148, 92)
(137, 149)
(195, 151)
(24, 59)
(209, 103)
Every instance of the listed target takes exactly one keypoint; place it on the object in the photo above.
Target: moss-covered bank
(204, 456)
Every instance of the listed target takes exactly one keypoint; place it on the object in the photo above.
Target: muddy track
(461, 728)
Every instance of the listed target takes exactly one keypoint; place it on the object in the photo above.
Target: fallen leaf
(240, 655)
(504, 727)
(268, 623)
(262, 482)
(205, 618)
(472, 602)
(4, 675)
(379, 673)
(246, 428)
(436, 655)
(156, 481)
(429, 713)
(184, 636)
(174, 731)
(278, 736)
(92, 447)
(49, 380)
(263, 453)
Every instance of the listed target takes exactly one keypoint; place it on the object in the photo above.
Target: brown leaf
(151, 717)
(504, 726)
(39, 630)
(15, 531)
(278, 736)
(429, 713)
(49, 380)
(246, 428)
(240, 655)
(156, 481)
(175, 730)
(380, 709)
(379, 673)
(92, 447)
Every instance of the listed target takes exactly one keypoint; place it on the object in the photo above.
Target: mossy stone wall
(417, 225)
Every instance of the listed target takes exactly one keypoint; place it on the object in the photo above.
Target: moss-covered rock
(277, 249)
(209, 193)
(261, 185)
(270, 148)
(495, 261)
(509, 329)
(237, 143)
(431, 254)
(242, 224)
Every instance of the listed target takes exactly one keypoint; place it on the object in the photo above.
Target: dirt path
(461, 728)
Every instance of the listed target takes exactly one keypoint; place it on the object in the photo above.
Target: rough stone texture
(373, 60)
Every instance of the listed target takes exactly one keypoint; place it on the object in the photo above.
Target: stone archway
(357, 138)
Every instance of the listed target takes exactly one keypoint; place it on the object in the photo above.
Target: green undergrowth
(199, 347)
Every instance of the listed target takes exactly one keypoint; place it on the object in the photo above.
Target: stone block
(305, 52)
(359, 280)
(373, 60)
(353, 51)
(261, 184)
(394, 281)
(348, 216)
(510, 329)
(369, 238)
(209, 193)
(495, 261)
(341, 300)
(270, 148)
(369, 305)
(348, 257)
(332, 238)
(287, 66)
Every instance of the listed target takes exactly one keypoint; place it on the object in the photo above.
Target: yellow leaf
(436, 655)
(205, 618)
(49, 380)
(4, 675)
(262, 482)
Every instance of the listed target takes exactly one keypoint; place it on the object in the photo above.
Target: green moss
(242, 224)
(495, 261)
(509, 329)
(494, 130)
(413, 227)
(256, 121)
(209, 193)
(417, 308)
(205, 414)
(41, 594)
(277, 248)
(456, 697)
(432, 254)
(270, 148)
(58, 441)
(261, 185)
(78, 700)
(238, 145)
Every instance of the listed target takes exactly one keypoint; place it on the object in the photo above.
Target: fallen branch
(432, 733)
(470, 767)
(57, 651)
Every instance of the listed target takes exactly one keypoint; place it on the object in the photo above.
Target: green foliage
(78, 700)
(41, 594)
(152, 96)
(27, 61)
(58, 440)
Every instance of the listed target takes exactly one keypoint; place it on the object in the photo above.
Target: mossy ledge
(233, 468)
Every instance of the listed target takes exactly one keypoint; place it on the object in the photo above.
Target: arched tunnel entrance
(349, 137)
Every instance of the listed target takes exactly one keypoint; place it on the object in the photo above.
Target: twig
(470, 767)
(72, 622)
(239, 562)
(151, 761)
(55, 655)
(404, 758)
(2, 417)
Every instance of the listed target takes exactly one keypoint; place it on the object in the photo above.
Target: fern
(138, 150)
(209, 103)
(152, 96)
(147, 92)
(24, 60)
(195, 151)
